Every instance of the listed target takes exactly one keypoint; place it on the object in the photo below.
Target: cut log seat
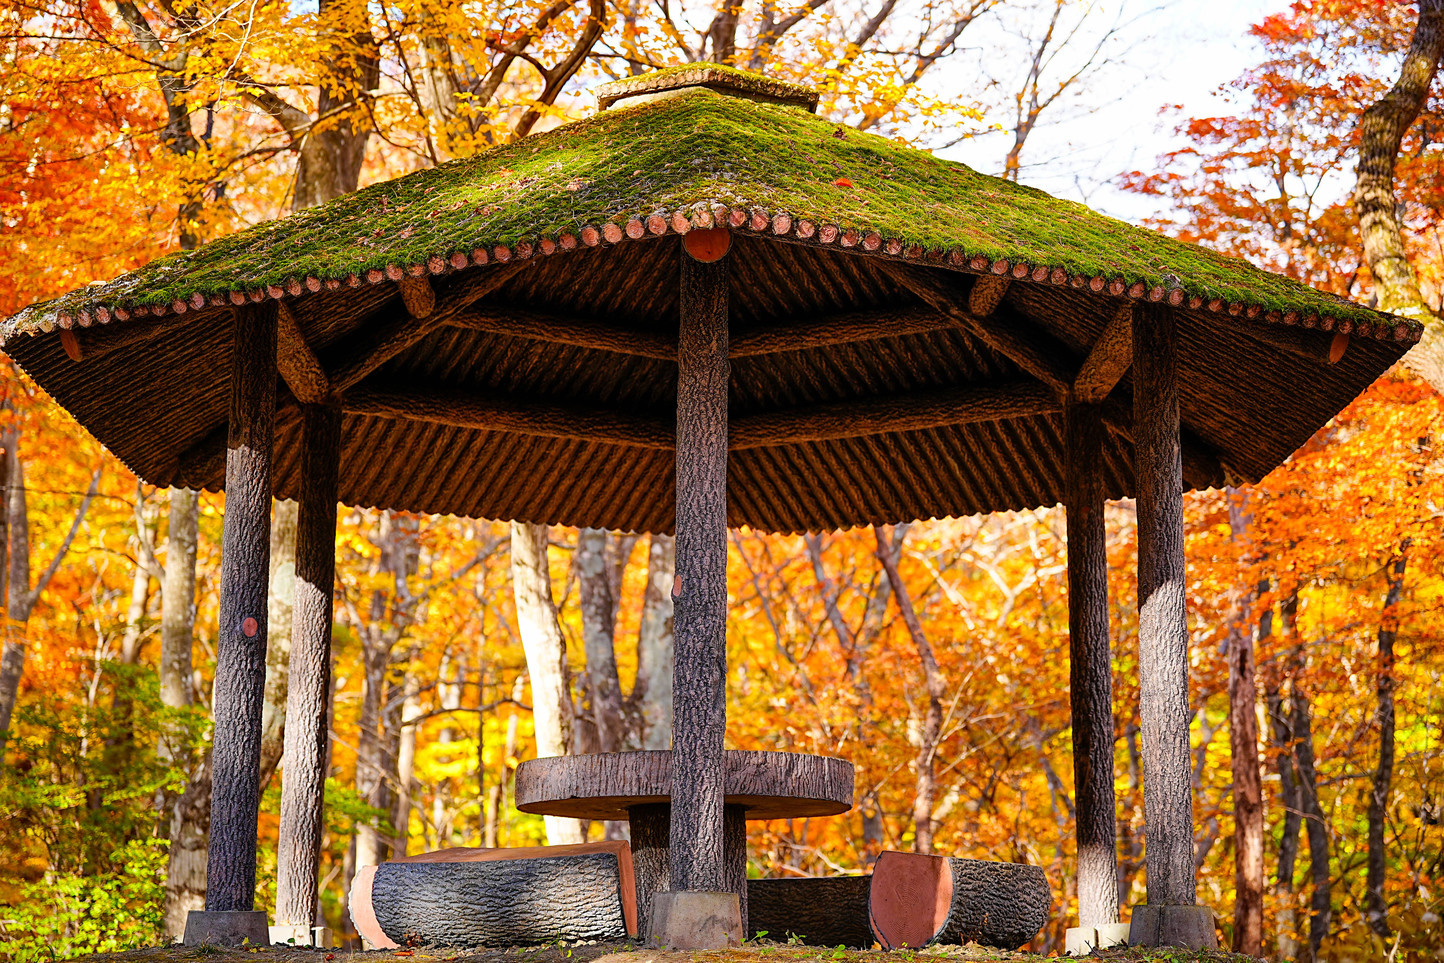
(498, 897)
(917, 900)
(820, 911)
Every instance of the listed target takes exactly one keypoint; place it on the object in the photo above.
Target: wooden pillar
(1162, 633)
(699, 690)
(650, 825)
(241, 652)
(1091, 668)
(303, 767)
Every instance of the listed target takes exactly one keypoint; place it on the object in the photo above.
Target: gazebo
(705, 306)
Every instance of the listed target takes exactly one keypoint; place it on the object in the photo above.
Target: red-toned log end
(363, 914)
(909, 899)
(708, 244)
(70, 343)
(1337, 347)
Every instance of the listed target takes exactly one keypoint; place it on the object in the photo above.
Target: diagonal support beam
(298, 364)
(391, 332)
(1109, 359)
(1015, 338)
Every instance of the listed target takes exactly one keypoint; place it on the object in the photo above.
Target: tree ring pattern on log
(769, 785)
(503, 903)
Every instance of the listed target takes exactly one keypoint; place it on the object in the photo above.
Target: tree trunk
(599, 620)
(1316, 830)
(700, 590)
(1162, 630)
(1091, 670)
(186, 816)
(279, 604)
(303, 782)
(240, 680)
(546, 658)
(1248, 814)
(925, 798)
(1381, 132)
(1376, 906)
(650, 702)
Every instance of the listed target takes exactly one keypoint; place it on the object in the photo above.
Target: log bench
(498, 897)
(916, 900)
(637, 787)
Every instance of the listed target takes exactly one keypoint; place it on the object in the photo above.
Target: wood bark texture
(1248, 811)
(520, 902)
(823, 911)
(240, 679)
(1162, 631)
(281, 595)
(1376, 906)
(1316, 826)
(546, 656)
(1108, 360)
(1381, 133)
(599, 622)
(651, 829)
(650, 702)
(700, 590)
(1090, 669)
(916, 900)
(303, 783)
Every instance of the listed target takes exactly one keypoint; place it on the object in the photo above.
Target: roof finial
(717, 77)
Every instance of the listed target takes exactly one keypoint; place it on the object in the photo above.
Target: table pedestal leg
(651, 825)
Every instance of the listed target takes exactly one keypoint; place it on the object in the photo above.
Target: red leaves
(842, 182)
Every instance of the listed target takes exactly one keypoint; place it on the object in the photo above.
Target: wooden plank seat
(498, 897)
(637, 786)
(916, 900)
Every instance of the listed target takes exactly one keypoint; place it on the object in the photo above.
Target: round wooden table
(637, 787)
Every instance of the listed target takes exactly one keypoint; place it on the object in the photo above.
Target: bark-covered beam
(87, 344)
(418, 296)
(844, 419)
(1013, 337)
(1108, 359)
(204, 462)
(600, 335)
(987, 293)
(906, 412)
(524, 416)
(390, 332)
(1315, 347)
(298, 364)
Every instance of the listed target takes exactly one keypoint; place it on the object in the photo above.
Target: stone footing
(1082, 940)
(695, 921)
(227, 928)
(1189, 927)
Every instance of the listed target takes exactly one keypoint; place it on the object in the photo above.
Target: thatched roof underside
(161, 404)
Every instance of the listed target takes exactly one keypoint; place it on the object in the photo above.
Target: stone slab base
(695, 921)
(1189, 927)
(227, 928)
(1082, 940)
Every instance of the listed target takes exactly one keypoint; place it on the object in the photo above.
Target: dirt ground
(755, 952)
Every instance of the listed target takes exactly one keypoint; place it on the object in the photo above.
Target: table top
(771, 785)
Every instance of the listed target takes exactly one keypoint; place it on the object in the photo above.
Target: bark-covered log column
(303, 781)
(1091, 669)
(700, 589)
(1162, 632)
(241, 653)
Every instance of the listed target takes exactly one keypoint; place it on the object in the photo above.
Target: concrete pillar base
(1189, 927)
(296, 934)
(695, 921)
(227, 928)
(1082, 940)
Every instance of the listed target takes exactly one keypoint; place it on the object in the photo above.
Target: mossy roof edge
(681, 161)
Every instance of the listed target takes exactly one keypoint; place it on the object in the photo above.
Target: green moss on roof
(691, 150)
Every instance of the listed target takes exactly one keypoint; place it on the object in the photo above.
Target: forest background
(132, 127)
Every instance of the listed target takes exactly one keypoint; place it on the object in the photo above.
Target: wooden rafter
(391, 332)
(1109, 358)
(1013, 337)
(987, 293)
(297, 363)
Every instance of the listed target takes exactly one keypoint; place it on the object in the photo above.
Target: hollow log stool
(637, 787)
(497, 897)
(916, 900)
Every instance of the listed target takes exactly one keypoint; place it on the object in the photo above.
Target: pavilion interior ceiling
(844, 394)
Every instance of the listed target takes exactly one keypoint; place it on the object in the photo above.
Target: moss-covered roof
(689, 160)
